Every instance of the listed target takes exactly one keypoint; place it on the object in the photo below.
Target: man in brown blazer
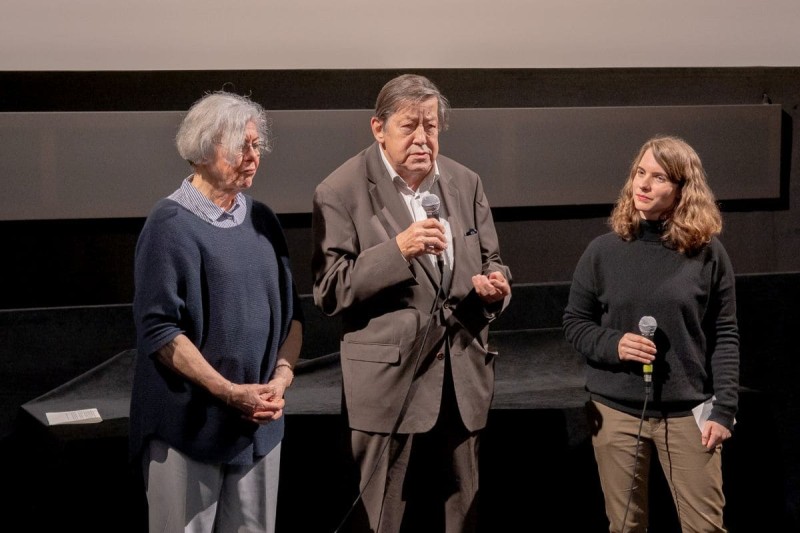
(416, 293)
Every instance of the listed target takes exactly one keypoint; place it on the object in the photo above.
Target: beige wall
(357, 34)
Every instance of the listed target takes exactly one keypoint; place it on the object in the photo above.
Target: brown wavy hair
(695, 216)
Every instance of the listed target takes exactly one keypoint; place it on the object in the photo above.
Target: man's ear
(377, 129)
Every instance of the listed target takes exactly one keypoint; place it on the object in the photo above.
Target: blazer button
(446, 305)
(440, 356)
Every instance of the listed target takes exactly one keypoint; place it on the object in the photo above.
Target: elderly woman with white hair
(219, 329)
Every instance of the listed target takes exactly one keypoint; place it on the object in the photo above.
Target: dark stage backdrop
(54, 257)
(528, 157)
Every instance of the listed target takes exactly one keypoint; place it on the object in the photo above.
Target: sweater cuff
(723, 416)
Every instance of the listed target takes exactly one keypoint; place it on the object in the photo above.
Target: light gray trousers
(187, 496)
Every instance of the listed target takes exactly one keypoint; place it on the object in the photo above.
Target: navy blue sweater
(230, 291)
(693, 301)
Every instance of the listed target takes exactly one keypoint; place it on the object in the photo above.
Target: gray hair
(413, 89)
(219, 118)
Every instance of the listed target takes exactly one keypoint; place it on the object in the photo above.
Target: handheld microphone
(647, 328)
(430, 203)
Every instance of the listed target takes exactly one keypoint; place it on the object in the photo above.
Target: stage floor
(535, 369)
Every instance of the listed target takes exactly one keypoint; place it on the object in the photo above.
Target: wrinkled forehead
(427, 108)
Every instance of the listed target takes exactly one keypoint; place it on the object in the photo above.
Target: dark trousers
(424, 482)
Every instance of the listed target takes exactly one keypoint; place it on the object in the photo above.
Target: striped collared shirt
(197, 203)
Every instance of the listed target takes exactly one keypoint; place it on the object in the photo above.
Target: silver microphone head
(647, 326)
(430, 203)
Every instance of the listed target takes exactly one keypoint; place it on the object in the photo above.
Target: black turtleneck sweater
(693, 300)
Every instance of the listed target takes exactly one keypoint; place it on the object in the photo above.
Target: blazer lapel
(386, 202)
(390, 208)
(452, 206)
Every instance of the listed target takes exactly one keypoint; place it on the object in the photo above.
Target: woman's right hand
(635, 348)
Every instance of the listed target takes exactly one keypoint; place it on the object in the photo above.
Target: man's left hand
(491, 288)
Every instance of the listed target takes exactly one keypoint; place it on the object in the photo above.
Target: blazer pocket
(472, 247)
(370, 352)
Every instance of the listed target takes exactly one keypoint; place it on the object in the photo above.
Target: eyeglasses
(258, 147)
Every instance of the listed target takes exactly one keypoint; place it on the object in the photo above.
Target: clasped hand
(259, 403)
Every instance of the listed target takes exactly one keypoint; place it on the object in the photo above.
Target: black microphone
(647, 328)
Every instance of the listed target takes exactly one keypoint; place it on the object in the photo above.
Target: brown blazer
(385, 303)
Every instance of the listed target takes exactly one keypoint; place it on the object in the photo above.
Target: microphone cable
(647, 389)
(403, 407)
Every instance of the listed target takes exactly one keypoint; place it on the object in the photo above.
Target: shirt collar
(208, 209)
